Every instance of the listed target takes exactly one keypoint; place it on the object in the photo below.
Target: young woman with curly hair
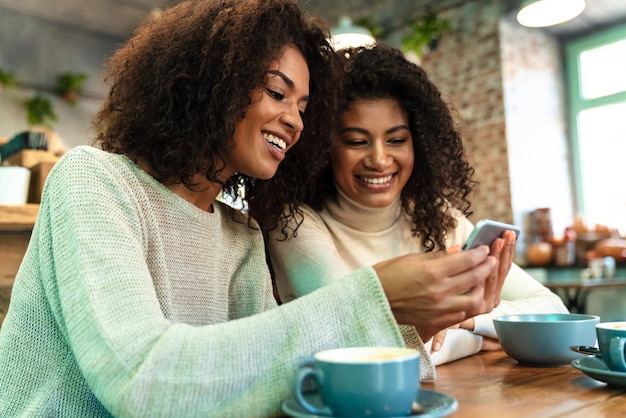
(397, 182)
(143, 295)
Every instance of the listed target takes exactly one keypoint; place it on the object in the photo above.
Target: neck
(203, 195)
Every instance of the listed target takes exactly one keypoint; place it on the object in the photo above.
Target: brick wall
(467, 69)
(506, 83)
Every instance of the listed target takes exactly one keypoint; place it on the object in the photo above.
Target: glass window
(603, 70)
(596, 68)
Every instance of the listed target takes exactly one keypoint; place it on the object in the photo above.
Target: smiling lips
(375, 180)
(276, 141)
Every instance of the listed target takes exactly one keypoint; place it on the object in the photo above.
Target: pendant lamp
(542, 13)
(347, 34)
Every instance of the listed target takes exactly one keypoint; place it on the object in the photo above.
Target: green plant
(7, 78)
(70, 85)
(425, 33)
(369, 23)
(39, 111)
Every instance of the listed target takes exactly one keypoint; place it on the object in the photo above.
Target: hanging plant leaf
(7, 78)
(39, 111)
(70, 85)
(425, 33)
(369, 23)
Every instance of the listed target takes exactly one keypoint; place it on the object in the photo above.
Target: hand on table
(490, 344)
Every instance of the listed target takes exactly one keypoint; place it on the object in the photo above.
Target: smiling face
(373, 154)
(273, 122)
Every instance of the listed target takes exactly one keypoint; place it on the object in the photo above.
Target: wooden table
(575, 292)
(490, 384)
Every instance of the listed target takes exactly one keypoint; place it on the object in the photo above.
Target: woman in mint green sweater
(141, 294)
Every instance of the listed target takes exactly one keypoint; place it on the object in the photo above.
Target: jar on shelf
(565, 249)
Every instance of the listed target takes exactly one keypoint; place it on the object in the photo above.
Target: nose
(292, 118)
(377, 158)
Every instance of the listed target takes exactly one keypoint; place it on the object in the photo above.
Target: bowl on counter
(545, 339)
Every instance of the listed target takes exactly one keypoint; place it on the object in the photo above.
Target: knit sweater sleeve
(86, 306)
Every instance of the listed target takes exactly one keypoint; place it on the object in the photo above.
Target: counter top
(18, 218)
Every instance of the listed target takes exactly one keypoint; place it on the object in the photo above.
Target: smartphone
(486, 231)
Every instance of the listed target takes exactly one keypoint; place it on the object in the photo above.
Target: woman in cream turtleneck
(397, 182)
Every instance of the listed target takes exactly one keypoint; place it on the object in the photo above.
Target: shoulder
(311, 223)
(87, 158)
(312, 215)
(463, 229)
(237, 221)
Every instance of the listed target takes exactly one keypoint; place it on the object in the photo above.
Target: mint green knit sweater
(132, 302)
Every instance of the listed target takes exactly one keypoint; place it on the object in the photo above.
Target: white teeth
(376, 180)
(275, 141)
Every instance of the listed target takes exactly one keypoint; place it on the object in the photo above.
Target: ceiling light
(542, 13)
(348, 35)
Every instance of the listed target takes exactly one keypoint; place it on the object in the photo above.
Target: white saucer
(594, 367)
(432, 404)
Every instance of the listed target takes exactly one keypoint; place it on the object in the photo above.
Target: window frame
(577, 103)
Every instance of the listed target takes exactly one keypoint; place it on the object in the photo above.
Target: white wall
(37, 51)
(536, 126)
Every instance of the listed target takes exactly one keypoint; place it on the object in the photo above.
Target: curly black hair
(185, 77)
(442, 177)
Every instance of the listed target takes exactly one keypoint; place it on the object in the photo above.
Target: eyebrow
(366, 132)
(287, 80)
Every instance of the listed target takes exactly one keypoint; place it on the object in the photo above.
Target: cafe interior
(540, 107)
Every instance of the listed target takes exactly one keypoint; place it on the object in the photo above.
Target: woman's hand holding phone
(502, 249)
(500, 237)
(433, 291)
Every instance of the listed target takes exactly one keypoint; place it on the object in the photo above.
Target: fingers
(492, 285)
(503, 249)
(434, 291)
(506, 259)
(438, 339)
(428, 330)
(453, 249)
(456, 263)
(490, 344)
(433, 276)
(480, 275)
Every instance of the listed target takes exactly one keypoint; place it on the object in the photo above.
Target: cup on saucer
(361, 381)
(611, 341)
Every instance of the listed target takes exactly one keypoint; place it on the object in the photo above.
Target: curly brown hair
(184, 79)
(442, 177)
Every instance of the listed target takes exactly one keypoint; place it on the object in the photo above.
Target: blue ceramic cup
(362, 381)
(612, 340)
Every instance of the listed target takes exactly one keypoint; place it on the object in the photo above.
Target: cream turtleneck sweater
(345, 236)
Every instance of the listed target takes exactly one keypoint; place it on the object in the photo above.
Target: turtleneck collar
(360, 217)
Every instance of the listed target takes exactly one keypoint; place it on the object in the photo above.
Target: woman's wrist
(468, 324)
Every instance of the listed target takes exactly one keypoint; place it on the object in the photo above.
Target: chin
(266, 175)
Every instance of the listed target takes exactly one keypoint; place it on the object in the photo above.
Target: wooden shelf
(18, 218)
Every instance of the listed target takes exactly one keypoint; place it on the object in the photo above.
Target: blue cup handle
(616, 353)
(303, 374)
